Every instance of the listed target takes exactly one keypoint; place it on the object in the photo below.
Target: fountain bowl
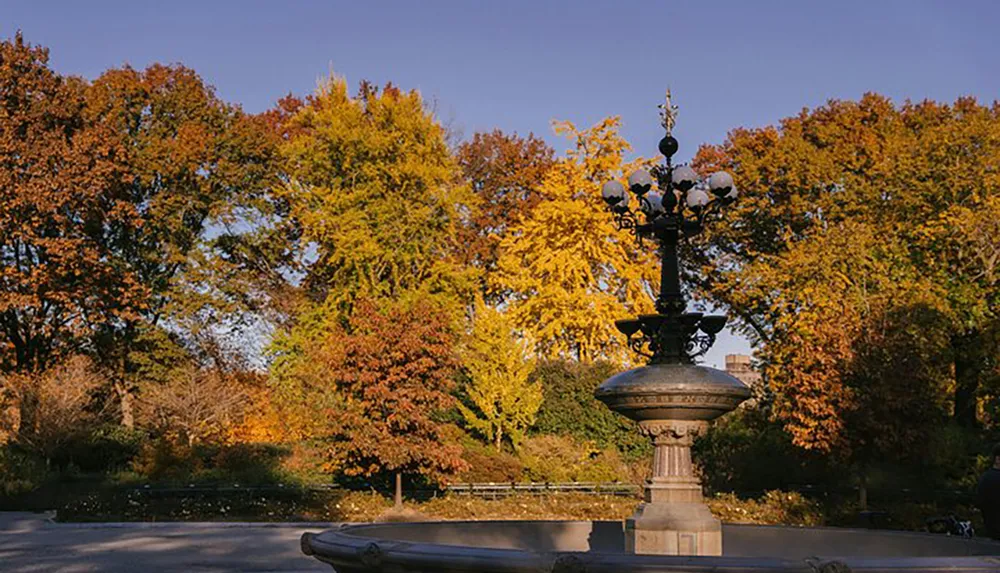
(599, 547)
(672, 392)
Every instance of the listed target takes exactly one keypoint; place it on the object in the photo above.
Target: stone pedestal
(673, 403)
(673, 519)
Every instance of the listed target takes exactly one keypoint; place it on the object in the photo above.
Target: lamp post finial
(668, 113)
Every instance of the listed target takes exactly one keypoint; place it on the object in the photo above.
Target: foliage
(193, 163)
(746, 451)
(569, 408)
(170, 461)
(499, 387)
(374, 192)
(774, 507)
(20, 473)
(553, 458)
(919, 175)
(56, 406)
(107, 447)
(294, 504)
(61, 191)
(859, 367)
(375, 386)
(569, 273)
(194, 405)
(567, 506)
(505, 172)
(485, 464)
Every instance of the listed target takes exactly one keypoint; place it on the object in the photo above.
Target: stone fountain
(673, 403)
(673, 400)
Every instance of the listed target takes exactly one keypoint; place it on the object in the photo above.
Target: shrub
(108, 447)
(485, 464)
(166, 459)
(250, 463)
(745, 452)
(19, 472)
(553, 458)
(552, 506)
(773, 508)
(195, 405)
(569, 408)
(55, 407)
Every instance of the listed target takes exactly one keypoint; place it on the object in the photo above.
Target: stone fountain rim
(344, 547)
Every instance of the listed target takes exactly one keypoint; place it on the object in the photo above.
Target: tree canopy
(861, 229)
(569, 273)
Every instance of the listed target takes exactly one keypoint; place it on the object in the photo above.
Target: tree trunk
(863, 492)
(968, 358)
(498, 440)
(127, 405)
(399, 490)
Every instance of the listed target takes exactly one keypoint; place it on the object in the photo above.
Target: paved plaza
(32, 543)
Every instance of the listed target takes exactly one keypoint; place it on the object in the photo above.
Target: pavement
(32, 542)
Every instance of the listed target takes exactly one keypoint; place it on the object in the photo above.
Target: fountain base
(673, 529)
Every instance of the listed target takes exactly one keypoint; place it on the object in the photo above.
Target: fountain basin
(599, 547)
(672, 392)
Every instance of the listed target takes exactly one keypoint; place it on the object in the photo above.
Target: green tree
(570, 409)
(499, 387)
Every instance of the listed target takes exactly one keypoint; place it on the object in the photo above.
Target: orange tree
(61, 193)
(197, 170)
(371, 390)
(505, 172)
(918, 176)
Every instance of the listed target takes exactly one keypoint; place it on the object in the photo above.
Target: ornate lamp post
(671, 398)
(679, 209)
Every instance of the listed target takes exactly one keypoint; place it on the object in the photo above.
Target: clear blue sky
(517, 65)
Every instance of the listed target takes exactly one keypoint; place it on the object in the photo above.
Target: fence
(498, 490)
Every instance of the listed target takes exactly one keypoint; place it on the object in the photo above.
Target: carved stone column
(673, 518)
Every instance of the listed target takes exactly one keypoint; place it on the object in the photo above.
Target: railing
(496, 490)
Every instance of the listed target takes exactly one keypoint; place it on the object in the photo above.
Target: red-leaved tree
(392, 369)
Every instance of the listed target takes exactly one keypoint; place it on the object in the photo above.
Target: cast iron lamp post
(672, 399)
(678, 209)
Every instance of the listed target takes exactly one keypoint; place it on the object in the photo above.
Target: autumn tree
(193, 404)
(919, 173)
(376, 195)
(857, 358)
(504, 398)
(62, 193)
(376, 386)
(194, 164)
(570, 273)
(505, 172)
(58, 405)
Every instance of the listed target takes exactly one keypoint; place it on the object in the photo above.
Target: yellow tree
(570, 273)
(374, 192)
(499, 369)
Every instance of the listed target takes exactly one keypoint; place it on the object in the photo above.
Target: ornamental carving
(673, 432)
